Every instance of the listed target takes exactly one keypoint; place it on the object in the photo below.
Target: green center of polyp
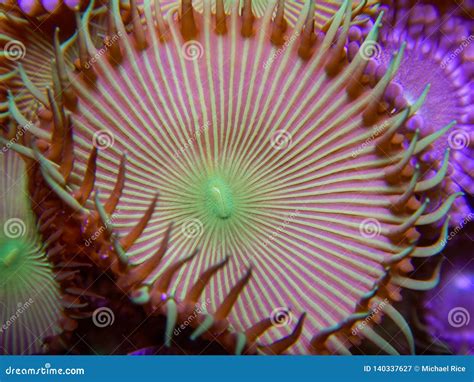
(10, 251)
(219, 198)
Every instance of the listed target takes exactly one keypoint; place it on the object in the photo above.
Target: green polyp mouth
(219, 198)
(10, 252)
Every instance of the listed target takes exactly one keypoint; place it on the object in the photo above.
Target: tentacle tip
(380, 17)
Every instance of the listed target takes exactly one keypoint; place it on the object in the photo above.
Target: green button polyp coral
(248, 225)
(30, 300)
(219, 198)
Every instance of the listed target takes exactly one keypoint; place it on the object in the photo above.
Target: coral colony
(236, 177)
